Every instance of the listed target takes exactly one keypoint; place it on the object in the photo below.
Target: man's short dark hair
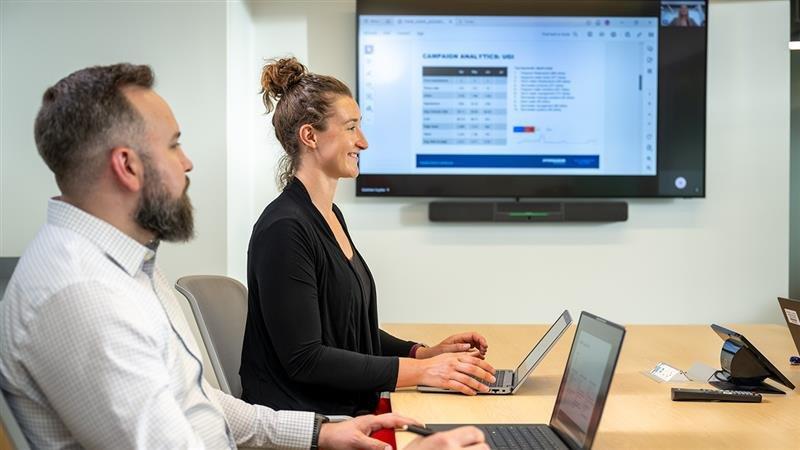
(85, 115)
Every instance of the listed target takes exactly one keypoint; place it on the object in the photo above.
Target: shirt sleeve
(102, 370)
(260, 426)
(392, 346)
(284, 259)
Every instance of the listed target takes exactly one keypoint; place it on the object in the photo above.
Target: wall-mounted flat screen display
(532, 98)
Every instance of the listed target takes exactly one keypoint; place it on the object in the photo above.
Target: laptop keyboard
(532, 437)
(502, 378)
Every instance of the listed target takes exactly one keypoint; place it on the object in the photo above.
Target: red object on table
(385, 434)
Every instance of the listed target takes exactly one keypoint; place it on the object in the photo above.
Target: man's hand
(460, 438)
(354, 433)
(461, 342)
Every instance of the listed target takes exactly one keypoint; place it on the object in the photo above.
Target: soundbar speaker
(445, 211)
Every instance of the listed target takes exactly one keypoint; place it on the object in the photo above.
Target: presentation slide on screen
(508, 95)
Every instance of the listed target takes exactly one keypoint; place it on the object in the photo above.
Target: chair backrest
(13, 433)
(219, 305)
(7, 265)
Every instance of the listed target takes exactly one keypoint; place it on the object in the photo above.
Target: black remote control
(714, 395)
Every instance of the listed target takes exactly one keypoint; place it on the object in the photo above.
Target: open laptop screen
(587, 378)
(790, 309)
(541, 349)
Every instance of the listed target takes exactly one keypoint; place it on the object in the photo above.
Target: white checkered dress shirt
(95, 352)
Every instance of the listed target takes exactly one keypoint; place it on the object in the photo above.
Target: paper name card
(663, 372)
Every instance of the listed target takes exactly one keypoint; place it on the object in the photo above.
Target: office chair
(7, 265)
(13, 433)
(219, 305)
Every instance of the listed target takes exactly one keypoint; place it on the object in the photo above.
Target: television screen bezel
(517, 186)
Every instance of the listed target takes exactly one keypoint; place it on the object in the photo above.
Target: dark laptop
(509, 381)
(791, 313)
(581, 396)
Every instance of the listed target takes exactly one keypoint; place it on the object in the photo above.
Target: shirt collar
(121, 248)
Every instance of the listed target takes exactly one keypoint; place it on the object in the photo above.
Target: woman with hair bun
(312, 339)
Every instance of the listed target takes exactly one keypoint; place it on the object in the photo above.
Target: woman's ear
(308, 136)
(127, 167)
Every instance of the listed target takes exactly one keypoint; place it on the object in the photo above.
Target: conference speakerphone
(462, 211)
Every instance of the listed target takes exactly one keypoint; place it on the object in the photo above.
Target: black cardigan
(311, 341)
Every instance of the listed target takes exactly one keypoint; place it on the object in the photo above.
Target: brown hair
(85, 115)
(302, 98)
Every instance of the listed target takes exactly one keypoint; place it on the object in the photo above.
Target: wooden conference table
(639, 413)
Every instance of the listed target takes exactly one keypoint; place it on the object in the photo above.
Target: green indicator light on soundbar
(528, 214)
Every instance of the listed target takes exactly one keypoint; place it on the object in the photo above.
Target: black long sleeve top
(312, 340)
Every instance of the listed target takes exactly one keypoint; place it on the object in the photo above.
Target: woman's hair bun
(278, 77)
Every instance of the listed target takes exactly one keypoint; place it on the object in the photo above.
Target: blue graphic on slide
(510, 161)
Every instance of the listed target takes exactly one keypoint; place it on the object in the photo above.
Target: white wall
(242, 114)
(184, 43)
(719, 259)
(794, 210)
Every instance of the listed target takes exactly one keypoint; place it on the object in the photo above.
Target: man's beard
(169, 219)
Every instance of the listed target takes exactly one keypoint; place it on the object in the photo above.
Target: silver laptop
(509, 381)
(581, 396)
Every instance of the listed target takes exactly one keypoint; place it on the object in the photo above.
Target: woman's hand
(461, 342)
(456, 371)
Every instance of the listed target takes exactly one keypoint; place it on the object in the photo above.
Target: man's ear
(308, 136)
(127, 168)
